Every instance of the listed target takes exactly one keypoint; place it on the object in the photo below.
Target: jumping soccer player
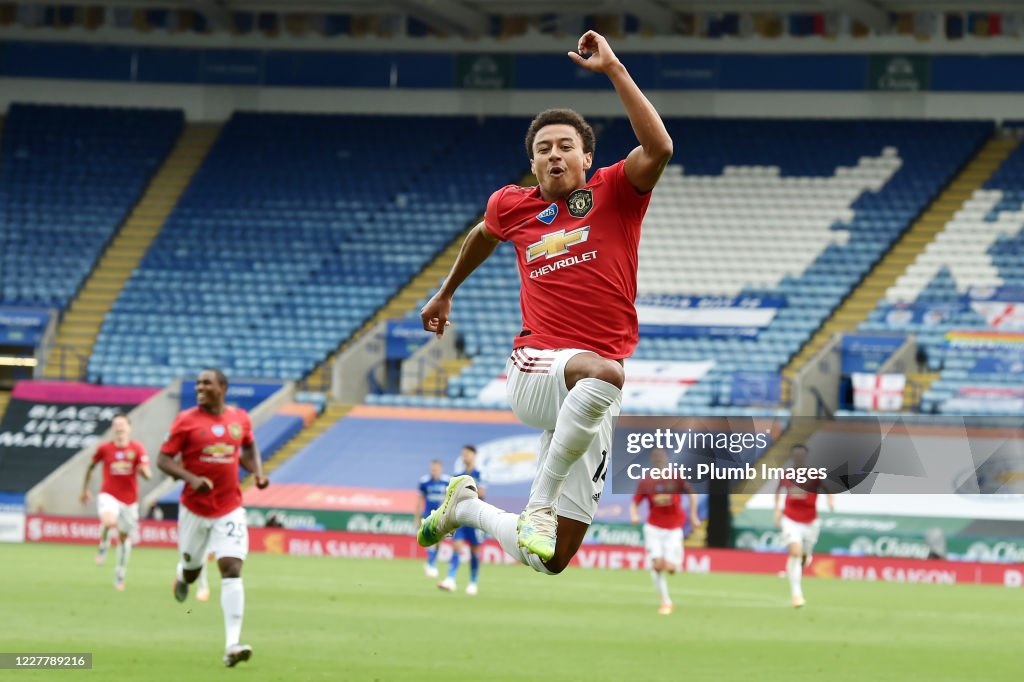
(663, 532)
(118, 501)
(466, 536)
(799, 522)
(432, 488)
(576, 242)
(213, 439)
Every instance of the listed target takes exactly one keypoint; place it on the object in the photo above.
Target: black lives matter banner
(47, 422)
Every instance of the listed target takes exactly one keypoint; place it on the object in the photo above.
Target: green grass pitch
(333, 619)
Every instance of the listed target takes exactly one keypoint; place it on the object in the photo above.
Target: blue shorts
(469, 535)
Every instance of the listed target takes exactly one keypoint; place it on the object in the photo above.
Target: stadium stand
(68, 177)
(293, 232)
(81, 322)
(799, 210)
(962, 299)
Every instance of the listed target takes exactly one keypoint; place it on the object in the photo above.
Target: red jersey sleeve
(247, 437)
(98, 455)
(175, 439)
(639, 497)
(492, 216)
(632, 204)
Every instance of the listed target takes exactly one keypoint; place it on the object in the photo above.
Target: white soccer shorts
(536, 388)
(127, 514)
(223, 536)
(665, 544)
(805, 534)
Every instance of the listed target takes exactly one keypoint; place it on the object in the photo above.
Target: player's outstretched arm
(421, 506)
(253, 463)
(144, 469)
(477, 248)
(634, 513)
(694, 511)
(644, 164)
(86, 495)
(691, 496)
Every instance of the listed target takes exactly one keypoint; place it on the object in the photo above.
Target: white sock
(663, 588)
(204, 582)
(179, 572)
(493, 521)
(232, 602)
(795, 570)
(578, 422)
(124, 550)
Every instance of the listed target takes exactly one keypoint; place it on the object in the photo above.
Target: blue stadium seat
(68, 177)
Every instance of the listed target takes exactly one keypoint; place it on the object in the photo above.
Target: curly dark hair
(557, 117)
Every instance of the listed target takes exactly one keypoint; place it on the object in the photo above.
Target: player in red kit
(576, 242)
(799, 522)
(123, 460)
(663, 532)
(213, 439)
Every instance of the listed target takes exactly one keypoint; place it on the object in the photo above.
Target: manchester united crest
(235, 430)
(579, 202)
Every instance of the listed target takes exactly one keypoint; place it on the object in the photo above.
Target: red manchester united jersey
(664, 501)
(120, 466)
(210, 446)
(801, 500)
(577, 262)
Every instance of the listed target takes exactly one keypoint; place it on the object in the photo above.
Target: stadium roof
(471, 17)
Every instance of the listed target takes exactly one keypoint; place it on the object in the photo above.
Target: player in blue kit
(466, 535)
(432, 489)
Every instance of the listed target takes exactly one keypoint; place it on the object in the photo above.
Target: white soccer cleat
(799, 602)
(471, 589)
(101, 556)
(203, 595)
(665, 609)
(441, 521)
(236, 653)
(448, 585)
(430, 571)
